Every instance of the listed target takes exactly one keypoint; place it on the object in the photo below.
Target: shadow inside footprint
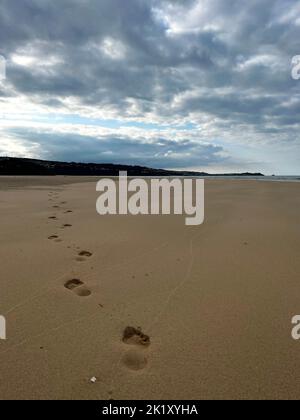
(72, 284)
(135, 336)
(66, 225)
(52, 218)
(85, 254)
(53, 237)
(77, 286)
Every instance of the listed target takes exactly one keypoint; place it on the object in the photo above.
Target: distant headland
(26, 167)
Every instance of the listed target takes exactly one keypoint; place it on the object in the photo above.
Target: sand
(215, 302)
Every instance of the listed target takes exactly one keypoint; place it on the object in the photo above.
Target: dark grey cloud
(156, 152)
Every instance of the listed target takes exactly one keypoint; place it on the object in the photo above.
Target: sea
(258, 178)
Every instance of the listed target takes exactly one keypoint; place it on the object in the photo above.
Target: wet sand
(211, 305)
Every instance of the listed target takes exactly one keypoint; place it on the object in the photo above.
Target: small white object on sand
(93, 380)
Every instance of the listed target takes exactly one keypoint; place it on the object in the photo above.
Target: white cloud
(113, 48)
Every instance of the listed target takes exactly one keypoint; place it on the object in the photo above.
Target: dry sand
(216, 300)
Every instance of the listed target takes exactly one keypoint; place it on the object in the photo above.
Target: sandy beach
(215, 301)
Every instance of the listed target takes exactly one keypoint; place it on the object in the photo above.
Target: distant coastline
(22, 166)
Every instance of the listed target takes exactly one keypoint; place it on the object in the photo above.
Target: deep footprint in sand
(72, 284)
(77, 286)
(66, 226)
(85, 254)
(134, 360)
(135, 336)
(52, 218)
(52, 237)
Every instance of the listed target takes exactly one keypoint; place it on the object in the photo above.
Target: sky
(179, 84)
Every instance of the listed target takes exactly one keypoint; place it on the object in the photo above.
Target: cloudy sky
(183, 84)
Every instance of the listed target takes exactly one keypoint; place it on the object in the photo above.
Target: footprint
(135, 360)
(135, 336)
(82, 255)
(53, 237)
(72, 284)
(66, 225)
(85, 254)
(68, 211)
(77, 286)
(52, 218)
